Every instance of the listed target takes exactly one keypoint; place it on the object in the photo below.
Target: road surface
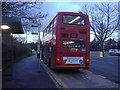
(80, 79)
(106, 66)
(102, 74)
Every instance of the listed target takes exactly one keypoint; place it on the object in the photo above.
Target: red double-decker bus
(66, 41)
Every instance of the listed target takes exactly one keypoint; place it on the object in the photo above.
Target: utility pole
(39, 54)
(39, 37)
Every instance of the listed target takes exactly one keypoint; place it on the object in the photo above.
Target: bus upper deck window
(74, 19)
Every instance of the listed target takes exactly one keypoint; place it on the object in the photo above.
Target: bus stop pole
(38, 49)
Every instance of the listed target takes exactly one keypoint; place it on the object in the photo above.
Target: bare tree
(103, 21)
(22, 9)
(28, 11)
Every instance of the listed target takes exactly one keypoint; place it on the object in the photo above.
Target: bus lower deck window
(73, 44)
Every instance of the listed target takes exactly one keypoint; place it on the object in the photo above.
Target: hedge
(13, 49)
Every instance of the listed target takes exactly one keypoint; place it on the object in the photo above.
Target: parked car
(114, 51)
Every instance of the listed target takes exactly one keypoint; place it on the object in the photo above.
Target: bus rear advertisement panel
(73, 60)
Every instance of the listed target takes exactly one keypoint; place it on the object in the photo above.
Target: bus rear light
(58, 60)
(87, 60)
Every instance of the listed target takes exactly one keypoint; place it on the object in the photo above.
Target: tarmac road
(107, 67)
(90, 78)
(80, 79)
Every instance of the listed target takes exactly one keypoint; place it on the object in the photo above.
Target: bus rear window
(73, 44)
(73, 19)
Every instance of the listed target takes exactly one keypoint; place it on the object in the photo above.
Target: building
(109, 44)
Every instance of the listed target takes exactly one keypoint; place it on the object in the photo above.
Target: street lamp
(5, 27)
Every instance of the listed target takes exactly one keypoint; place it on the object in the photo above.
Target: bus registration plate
(73, 60)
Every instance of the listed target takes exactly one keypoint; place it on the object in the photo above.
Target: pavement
(28, 73)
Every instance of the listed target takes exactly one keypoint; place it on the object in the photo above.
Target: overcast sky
(52, 8)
